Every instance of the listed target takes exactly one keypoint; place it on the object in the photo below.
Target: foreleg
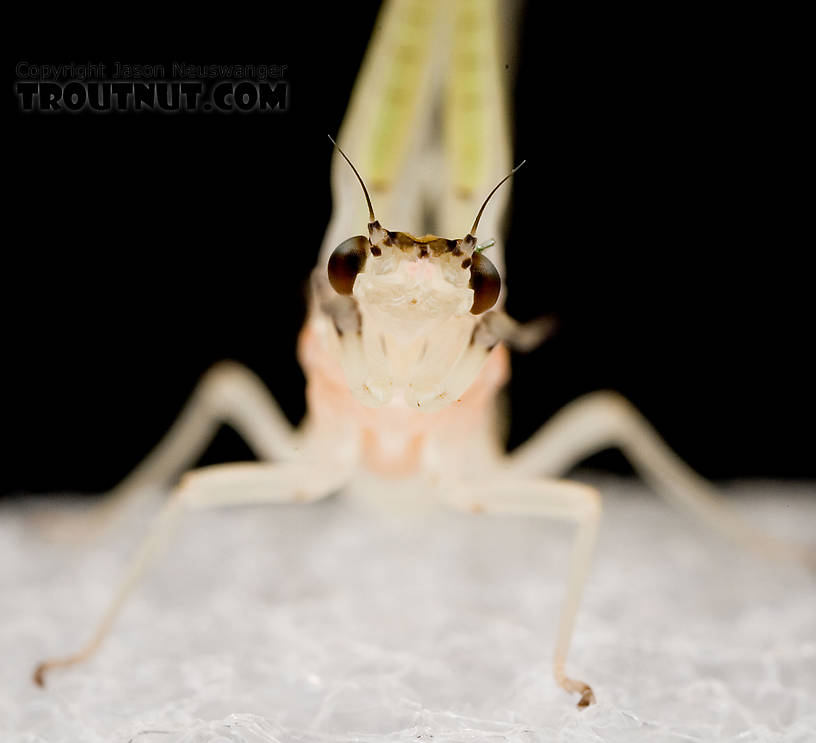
(555, 499)
(230, 484)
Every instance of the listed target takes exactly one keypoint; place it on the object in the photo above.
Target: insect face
(412, 282)
(411, 285)
(409, 282)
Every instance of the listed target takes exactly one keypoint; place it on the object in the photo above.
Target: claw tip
(39, 675)
(587, 698)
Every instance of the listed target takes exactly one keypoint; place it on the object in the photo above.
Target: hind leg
(606, 419)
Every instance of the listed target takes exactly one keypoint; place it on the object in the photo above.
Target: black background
(660, 217)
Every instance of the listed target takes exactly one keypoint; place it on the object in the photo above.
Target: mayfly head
(408, 284)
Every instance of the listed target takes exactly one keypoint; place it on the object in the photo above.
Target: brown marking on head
(403, 240)
(425, 244)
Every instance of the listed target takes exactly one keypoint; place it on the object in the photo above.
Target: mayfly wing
(387, 121)
(427, 124)
(476, 131)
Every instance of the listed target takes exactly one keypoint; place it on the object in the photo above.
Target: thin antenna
(496, 188)
(365, 190)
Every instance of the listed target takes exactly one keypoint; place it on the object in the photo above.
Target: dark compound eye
(485, 282)
(347, 260)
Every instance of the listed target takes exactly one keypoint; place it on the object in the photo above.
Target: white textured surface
(330, 623)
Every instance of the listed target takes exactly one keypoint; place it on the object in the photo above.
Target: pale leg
(229, 394)
(606, 419)
(229, 484)
(555, 499)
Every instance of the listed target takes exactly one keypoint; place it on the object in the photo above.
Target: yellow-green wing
(427, 122)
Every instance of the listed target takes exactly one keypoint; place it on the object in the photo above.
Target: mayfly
(405, 346)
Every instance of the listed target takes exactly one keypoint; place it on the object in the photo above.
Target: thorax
(394, 439)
